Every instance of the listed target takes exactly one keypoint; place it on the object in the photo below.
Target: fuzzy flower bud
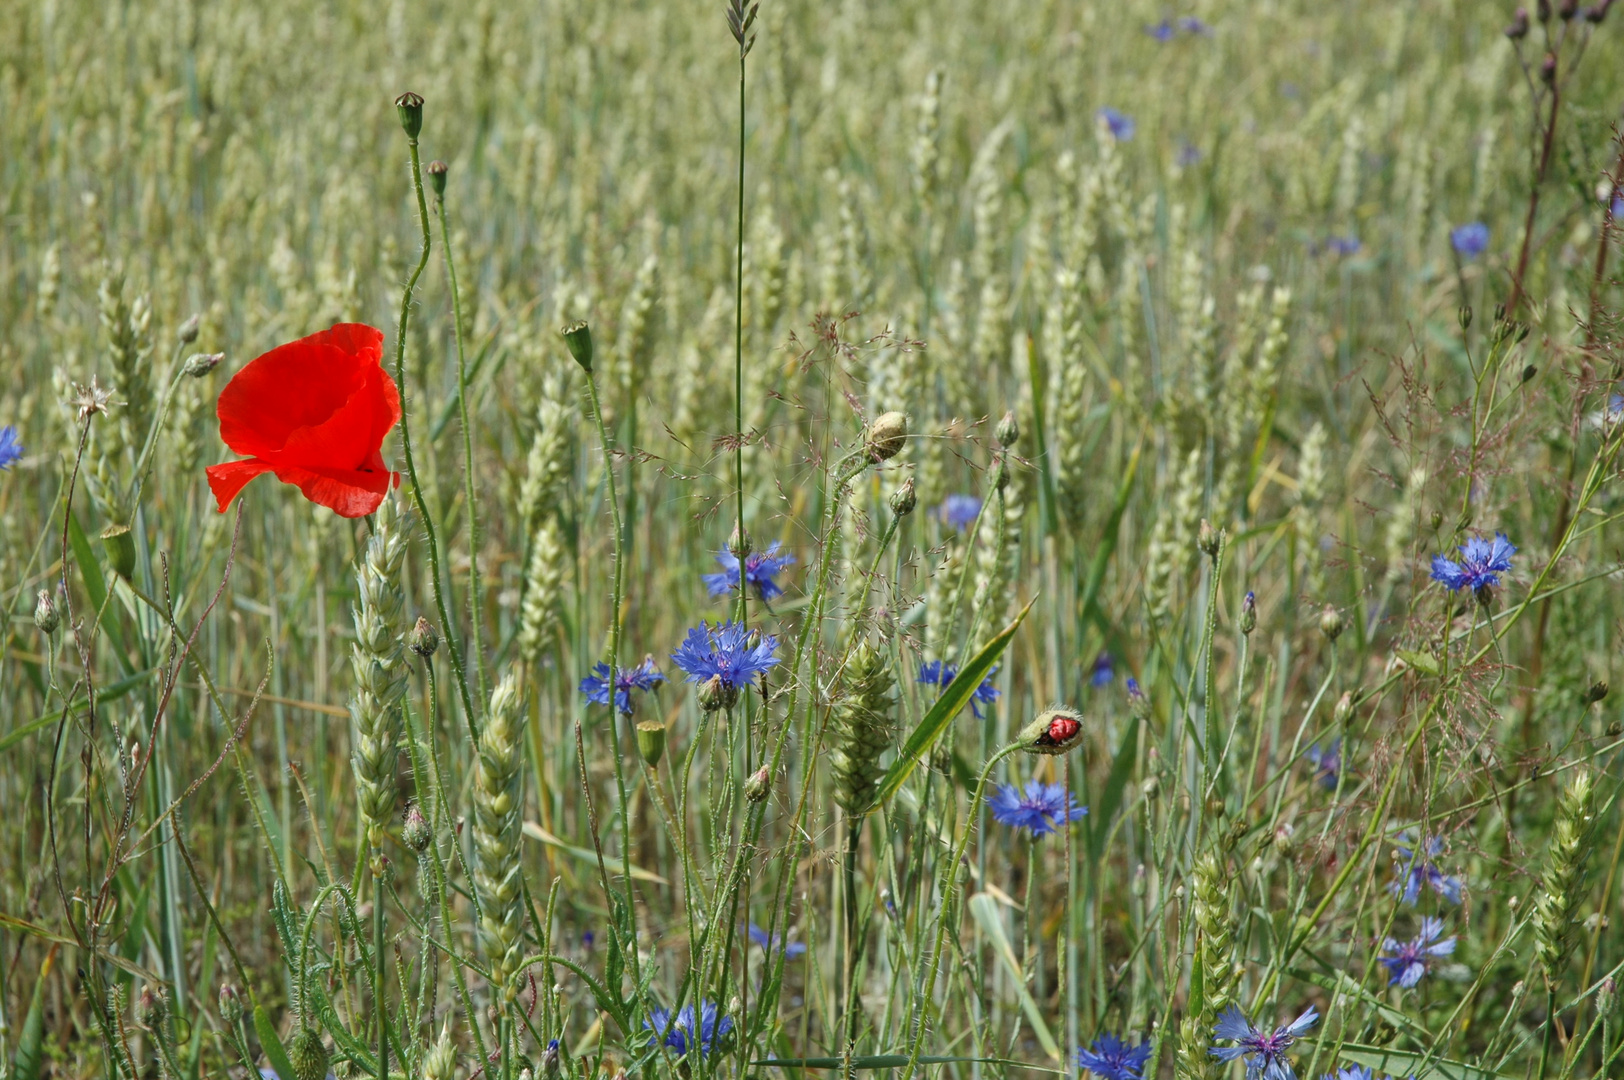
(1248, 619)
(200, 364)
(189, 329)
(308, 1055)
(46, 617)
(1519, 25)
(550, 1060)
(886, 436)
(149, 1007)
(416, 832)
(437, 170)
(715, 694)
(759, 786)
(231, 1010)
(1344, 708)
(578, 337)
(904, 499)
(409, 107)
(1330, 623)
(1607, 998)
(1008, 431)
(1208, 539)
(423, 639)
(1547, 69)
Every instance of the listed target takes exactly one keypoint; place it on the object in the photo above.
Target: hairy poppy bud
(1008, 430)
(308, 1055)
(1331, 622)
(1208, 539)
(437, 170)
(416, 832)
(189, 329)
(409, 107)
(759, 786)
(578, 336)
(904, 499)
(200, 364)
(1053, 731)
(230, 1004)
(423, 639)
(46, 617)
(119, 543)
(1519, 25)
(715, 694)
(651, 741)
(886, 436)
(1249, 612)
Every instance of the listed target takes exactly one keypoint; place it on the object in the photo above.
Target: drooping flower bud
(886, 436)
(904, 499)
(416, 832)
(651, 741)
(1008, 430)
(409, 107)
(189, 329)
(1053, 731)
(119, 543)
(46, 617)
(1248, 619)
(578, 336)
(423, 638)
(308, 1056)
(1330, 622)
(759, 786)
(436, 170)
(200, 364)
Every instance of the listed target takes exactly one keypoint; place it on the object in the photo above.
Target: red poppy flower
(314, 412)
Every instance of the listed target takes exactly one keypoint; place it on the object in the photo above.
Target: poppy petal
(230, 477)
(349, 437)
(304, 384)
(350, 493)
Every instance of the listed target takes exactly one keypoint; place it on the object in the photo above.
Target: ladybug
(1053, 732)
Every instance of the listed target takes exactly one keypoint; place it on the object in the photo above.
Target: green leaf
(985, 910)
(894, 1061)
(271, 1043)
(1420, 662)
(95, 586)
(25, 1065)
(1108, 541)
(1099, 820)
(950, 704)
(1406, 1063)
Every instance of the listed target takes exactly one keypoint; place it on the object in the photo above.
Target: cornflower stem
(406, 446)
(738, 350)
(617, 598)
(922, 1001)
(475, 607)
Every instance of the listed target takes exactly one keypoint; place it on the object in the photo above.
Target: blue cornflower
(1104, 671)
(1616, 209)
(730, 652)
(1162, 31)
(760, 568)
(1343, 245)
(587, 939)
(644, 676)
(1409, 960)
(1192, 25)
(960, 511)
(939, 673)
(1042, 809)
(1415, 868)
(11, 448)
(1481, 564)
(677, 1032)
(775, 942)
(1265, 1053)
(1327, 762)
(1112, 1059)
(1119, 124)
(1353, 1072)
(1469, 240)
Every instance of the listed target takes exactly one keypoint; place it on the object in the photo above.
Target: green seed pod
(436, 171)
(578, 336)
(409, 107)
(308, 1055)
(120, 545)
(651, 741)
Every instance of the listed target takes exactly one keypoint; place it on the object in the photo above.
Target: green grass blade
(271, 1043)
(985, 910)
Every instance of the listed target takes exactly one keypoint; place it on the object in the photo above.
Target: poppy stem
(446, 625)
(475, 607)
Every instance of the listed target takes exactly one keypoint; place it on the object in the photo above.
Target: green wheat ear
(378, 660)
(863, 728)
(498, 803)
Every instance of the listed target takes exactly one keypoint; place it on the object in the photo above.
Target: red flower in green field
(314, 412)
